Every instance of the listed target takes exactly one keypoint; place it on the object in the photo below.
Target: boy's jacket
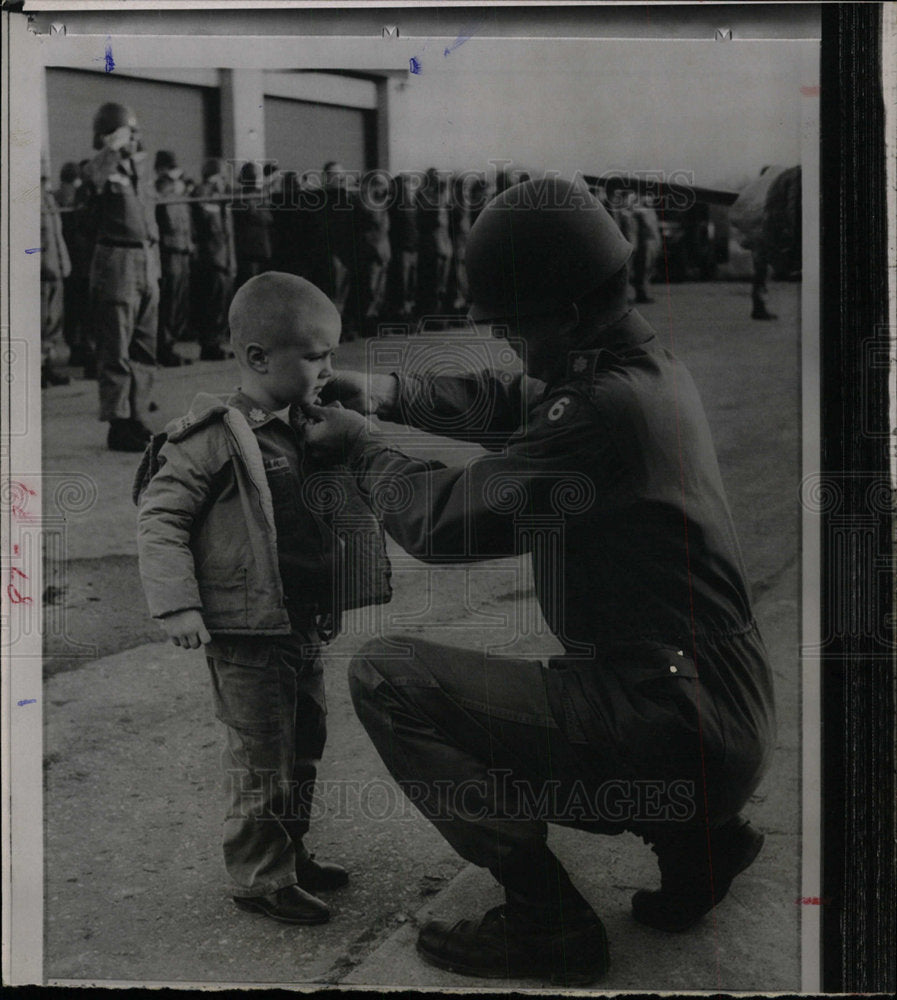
(206, 536)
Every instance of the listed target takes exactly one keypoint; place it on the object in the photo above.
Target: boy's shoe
(690, 886)
(503, 944)
(127, 435)
(320, 876)
(290, 905)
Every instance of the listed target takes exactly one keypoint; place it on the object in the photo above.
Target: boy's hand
(187, 629)
(332, 430)
(361, 392)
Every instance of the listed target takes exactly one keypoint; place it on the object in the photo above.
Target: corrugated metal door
(304, 135)
(172, 116)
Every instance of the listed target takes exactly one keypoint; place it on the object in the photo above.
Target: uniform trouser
(374, 271)
(213, 288)
(760, 260)
(77, 298)
(642, 260)
(490, 750)
(269, 693)
(174, 299)
(124, 288)
(433, 271)
(52, 316)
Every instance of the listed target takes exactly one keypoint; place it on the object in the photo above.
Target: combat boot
(695, 873)
(511, 943)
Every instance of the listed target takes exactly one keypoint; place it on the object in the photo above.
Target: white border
(26, 55)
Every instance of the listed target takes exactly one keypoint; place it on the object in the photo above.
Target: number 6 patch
(559, 408)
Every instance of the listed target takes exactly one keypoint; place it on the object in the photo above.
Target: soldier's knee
(376, 662)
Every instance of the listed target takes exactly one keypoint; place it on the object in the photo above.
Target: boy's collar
(256, 414)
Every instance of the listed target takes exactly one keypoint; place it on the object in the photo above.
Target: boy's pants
(269, 692)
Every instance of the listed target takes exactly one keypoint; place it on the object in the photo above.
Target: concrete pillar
(242, 115)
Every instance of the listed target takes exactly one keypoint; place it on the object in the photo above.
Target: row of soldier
(384, 248)
(132, 265)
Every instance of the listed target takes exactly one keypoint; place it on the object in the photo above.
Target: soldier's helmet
(539, 246)
(110, 117)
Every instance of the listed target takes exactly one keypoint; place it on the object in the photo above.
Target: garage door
(174, 116)
(304, 135)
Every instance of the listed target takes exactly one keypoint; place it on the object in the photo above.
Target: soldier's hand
(332, 430)
(362, 392)
(186, 628)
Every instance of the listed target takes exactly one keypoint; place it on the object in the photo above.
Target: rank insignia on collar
(581, 363)
(257, 414)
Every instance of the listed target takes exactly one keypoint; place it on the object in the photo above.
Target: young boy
(231, 556)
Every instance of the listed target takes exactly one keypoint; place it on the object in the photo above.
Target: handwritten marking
(27, 701)
(15, 597)
(414, 65)
(110, 62)
(464, 35)
(812, 900)
(33, 250)
(811, 91)
(15, 550)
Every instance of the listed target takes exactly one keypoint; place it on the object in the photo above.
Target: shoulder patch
(191, 422)
(558, 408)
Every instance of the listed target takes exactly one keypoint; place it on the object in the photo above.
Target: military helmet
(165, 160)
(110, 117)
(538, 246)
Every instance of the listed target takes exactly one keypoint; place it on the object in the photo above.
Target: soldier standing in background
(375, 251)
(647, 240)
(339, 221)
(252, 228)
(124, 278)
(176, 244)
(402, 291)
(55, 267)
(215, 264)
(77, 284)
(435, 248)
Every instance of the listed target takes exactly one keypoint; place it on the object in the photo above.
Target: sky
(719, 110)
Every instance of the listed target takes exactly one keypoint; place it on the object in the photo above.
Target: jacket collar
(255, 414)
(597, 346)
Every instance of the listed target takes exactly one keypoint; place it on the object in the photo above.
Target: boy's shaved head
(276, 310)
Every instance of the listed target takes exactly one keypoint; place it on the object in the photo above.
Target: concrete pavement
(134, 887)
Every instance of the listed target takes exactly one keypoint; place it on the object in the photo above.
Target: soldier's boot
(551, 935)
(695, 874)
(759, 310)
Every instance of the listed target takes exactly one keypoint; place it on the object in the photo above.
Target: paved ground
(134, 888)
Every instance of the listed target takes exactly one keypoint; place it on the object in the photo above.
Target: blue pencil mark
(27, 701)
(33, 250)
(414, 64)
(464, 35)
(110, 62)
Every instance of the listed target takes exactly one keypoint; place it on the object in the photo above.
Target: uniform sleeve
(470, 407)
(169, 509)
(558, 464)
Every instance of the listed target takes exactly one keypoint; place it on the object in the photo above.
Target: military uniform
(176, 244)
(658, 716)
(664, 678)
(214, 267)
(124, 285)
(55, 267)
